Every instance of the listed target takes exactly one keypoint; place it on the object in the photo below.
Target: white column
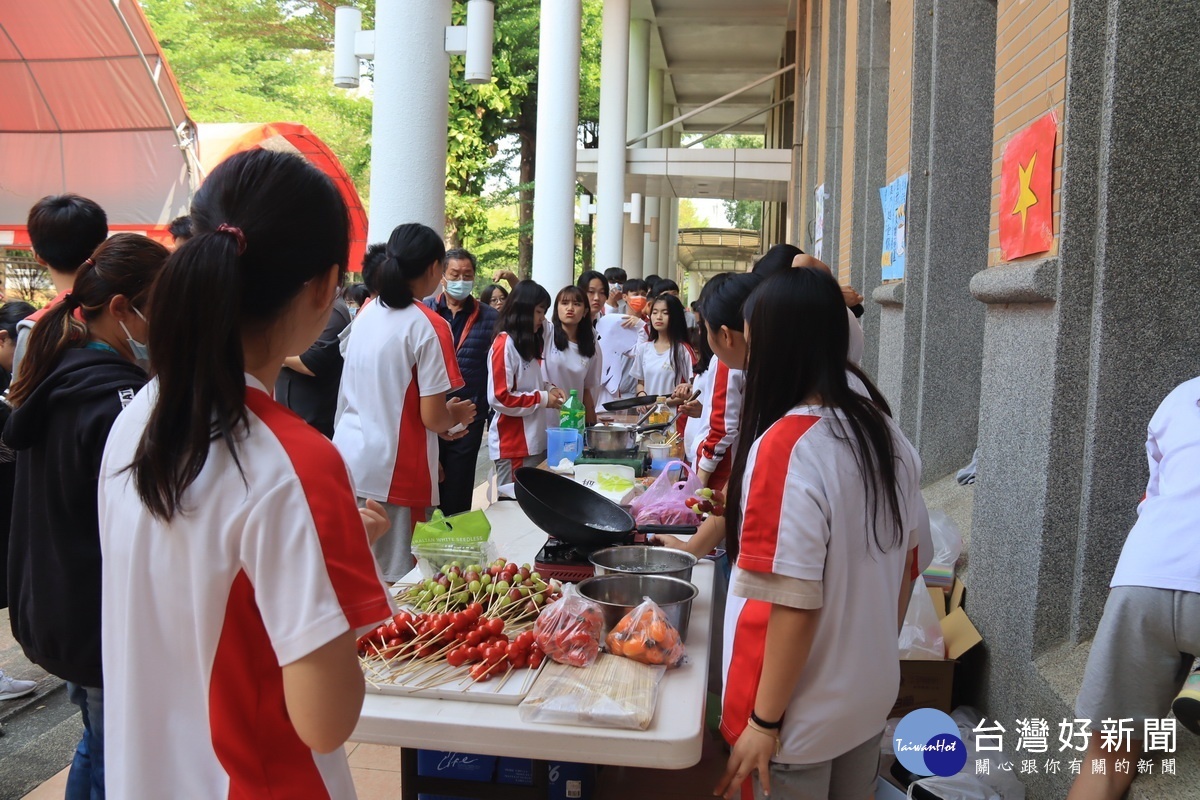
(654, 219)
(668, 240)
(693, 286)
(636, 109)
(557, 123)
(610, 171)
(408, 127)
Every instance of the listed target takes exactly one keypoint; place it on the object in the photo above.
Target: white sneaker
(11, 688)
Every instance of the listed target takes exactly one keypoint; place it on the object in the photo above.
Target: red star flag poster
(1026, 181)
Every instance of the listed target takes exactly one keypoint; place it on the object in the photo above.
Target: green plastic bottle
(572, 414)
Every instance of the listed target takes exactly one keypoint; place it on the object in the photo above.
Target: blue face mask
(141, 353)
(459, 290)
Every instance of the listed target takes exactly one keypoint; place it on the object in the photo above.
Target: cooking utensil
(626, 403)
(617, 595)
(570, 512)
(644, 560)
(611, 438)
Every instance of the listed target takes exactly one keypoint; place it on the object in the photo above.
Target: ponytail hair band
(236, 233)
(71, 301)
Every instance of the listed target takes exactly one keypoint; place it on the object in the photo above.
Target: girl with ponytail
(237, 565)
(400, 363)
(83, 364)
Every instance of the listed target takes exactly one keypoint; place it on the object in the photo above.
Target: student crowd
(194, 558)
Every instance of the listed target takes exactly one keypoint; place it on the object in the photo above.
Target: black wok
(569, 511)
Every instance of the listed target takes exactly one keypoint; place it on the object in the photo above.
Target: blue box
(518, 771)
(457, 766)
(570, 781)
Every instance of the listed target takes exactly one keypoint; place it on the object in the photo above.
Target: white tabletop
(673, 740)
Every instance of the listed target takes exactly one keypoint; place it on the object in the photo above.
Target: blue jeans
(85, 781)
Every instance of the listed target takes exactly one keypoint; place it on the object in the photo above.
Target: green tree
(740, 213)
(689, 215)
(264, 61)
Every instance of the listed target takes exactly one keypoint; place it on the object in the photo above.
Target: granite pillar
(1079, 349)
(870, 162)
(950, 173)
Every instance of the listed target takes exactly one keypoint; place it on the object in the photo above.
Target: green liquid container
(572, 414)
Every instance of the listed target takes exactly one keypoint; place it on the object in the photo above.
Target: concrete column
(654, 218)
(668, 235)
(636, 114)
(610, 171)
(557, 123)
(408, 126)
(931, 336)
(870, 163)
(1078, 351)
(693, 286)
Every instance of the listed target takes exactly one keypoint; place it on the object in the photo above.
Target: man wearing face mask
(472, 325)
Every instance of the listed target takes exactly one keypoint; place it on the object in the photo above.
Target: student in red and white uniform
(517, 388)
(236, 566)
(399, 366)
(721, 304)
(664, 362)
(571, 359)
(824, 508)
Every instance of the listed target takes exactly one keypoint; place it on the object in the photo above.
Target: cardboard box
(518, 771)
(458, 766)
(569, 781)
(930, 684)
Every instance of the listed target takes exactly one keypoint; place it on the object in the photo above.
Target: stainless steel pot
(617, 595)
(644, 560)
(611, 438)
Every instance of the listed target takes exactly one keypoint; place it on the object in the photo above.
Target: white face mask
(459, 290)
(141, 353)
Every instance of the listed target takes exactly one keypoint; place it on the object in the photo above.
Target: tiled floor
(376, 771)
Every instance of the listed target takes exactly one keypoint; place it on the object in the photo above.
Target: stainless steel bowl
(643, 560)
(611, 438)
(617, 595)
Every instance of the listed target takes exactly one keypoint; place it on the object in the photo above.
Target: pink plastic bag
(664, 503)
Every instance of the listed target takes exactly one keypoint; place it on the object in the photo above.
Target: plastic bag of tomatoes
(570, 630)
(645, 635)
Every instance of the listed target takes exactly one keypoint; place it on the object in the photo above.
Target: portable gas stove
(631, 457)
(569, 563)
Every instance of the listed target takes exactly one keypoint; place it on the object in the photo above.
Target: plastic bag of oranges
(645, 635)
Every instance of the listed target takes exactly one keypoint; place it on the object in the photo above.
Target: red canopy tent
(218, 141)
(89, 106)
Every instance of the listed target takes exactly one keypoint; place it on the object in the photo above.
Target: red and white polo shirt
(517, 394)
(805, 520)
(395, 357)
(720, 414)
(268, 563)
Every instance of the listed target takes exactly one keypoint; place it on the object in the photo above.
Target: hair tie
(236, 233)
(89, 261)
(70, 300)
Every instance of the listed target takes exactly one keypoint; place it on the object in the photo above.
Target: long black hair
(677, 332)
(264, 225)
(777, 259)
(585, 337)
(516, 318)
(125, 264)
(723, 297)
(587, 277)
(706, 353)
(798, 318)
(411, 248)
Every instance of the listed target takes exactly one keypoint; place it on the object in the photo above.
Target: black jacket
(472, 352)
(314, 397)
(54, 546)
